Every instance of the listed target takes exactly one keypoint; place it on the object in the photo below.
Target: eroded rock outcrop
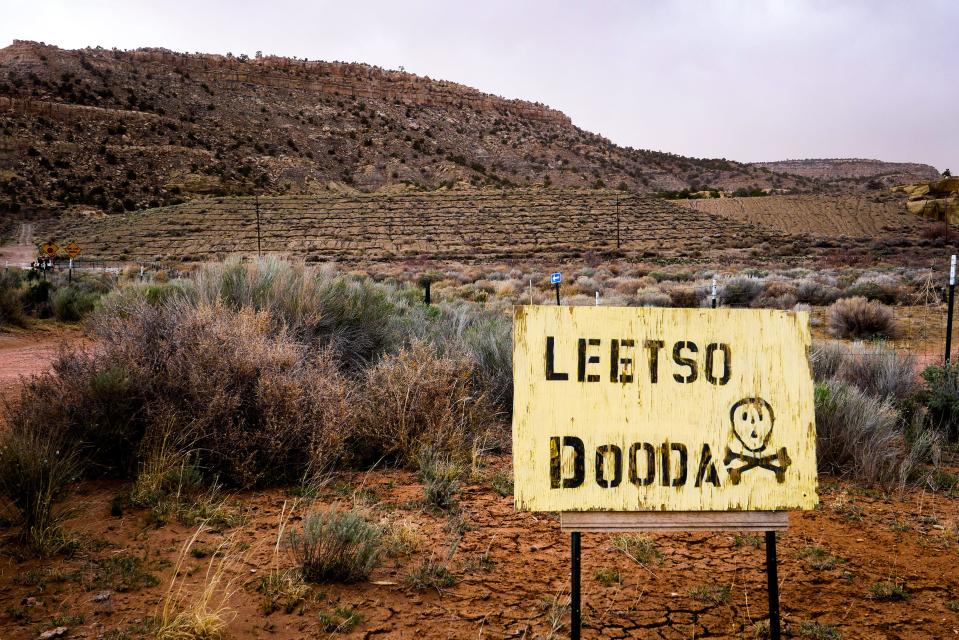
(938, 200)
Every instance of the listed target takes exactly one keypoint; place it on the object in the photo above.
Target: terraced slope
(849, 215)
(462, 225)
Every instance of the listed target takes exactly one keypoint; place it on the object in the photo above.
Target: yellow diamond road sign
(626, 409)
(50, 249)
(72, 249)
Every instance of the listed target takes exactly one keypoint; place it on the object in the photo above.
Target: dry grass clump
(858, 435)
(441, 477)
(862, 319)
(36, 470)
(873, 368)
(204, 615)
(420, 400)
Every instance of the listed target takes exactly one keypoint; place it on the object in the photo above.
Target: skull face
(752, 420)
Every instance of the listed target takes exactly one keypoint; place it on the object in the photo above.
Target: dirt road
(24, 354)
(23, 252)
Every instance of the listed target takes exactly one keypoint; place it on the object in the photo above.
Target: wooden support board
(674, 521)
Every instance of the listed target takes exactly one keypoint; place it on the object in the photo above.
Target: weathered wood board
(673, 521)
(645, 409)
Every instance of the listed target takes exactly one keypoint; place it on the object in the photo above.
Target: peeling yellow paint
(625, 387)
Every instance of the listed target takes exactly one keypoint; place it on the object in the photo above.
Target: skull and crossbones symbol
(752, 421)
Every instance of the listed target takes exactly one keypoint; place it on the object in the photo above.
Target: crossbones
(777, 462)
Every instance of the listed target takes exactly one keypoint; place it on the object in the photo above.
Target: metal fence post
(952, 299)
(575, 611)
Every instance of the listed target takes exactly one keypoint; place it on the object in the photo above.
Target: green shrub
(740, 292)
(11, 306)
(71, 304)
(336, 546)
(36, 298)
(441, 478)
(941, 396)
(861, 319)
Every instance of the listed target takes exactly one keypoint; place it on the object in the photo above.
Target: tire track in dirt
(20, 254)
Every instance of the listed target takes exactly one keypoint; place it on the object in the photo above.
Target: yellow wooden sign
(629, 409)
(73, 250)
(50, 249)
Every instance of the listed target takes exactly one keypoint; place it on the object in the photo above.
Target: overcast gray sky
(743, 79)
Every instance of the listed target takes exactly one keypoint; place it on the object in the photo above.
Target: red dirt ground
(26, 352)
(868, 537)
(862, 537)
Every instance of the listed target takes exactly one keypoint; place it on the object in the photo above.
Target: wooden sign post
(631, 419)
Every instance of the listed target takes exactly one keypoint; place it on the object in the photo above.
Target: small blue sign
(555, 278)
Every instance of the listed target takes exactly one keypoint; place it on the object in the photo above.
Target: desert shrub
(740, 292)
(873, 368)
(94, 401)
(259, 407)
(128, 297)
(350, 315)
(484, 338)
(859, 318)
(336, 546)
(776, 295)
(629, 286)
(11, 306)
(941, 396)
(857, 435)
(885, 290)
(418, 399)
(816, 293)
(684, 296)
(71, 303)
(939, 231)
(441, 478)
(652, 298)
(826, 358)
(36, 298)
(37, 466)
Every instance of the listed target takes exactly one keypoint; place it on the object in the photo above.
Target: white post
(531, 291)
(597, 298)
(714, 292)
(952, 271)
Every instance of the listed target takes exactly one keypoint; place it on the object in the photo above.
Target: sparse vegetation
(860, 318)
(638, 547)
(608, 577)
(336, 546)
(889, 591)
(711, 594)
(37, 468)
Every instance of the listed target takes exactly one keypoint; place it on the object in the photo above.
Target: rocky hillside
(126, 130)
(854, 172)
